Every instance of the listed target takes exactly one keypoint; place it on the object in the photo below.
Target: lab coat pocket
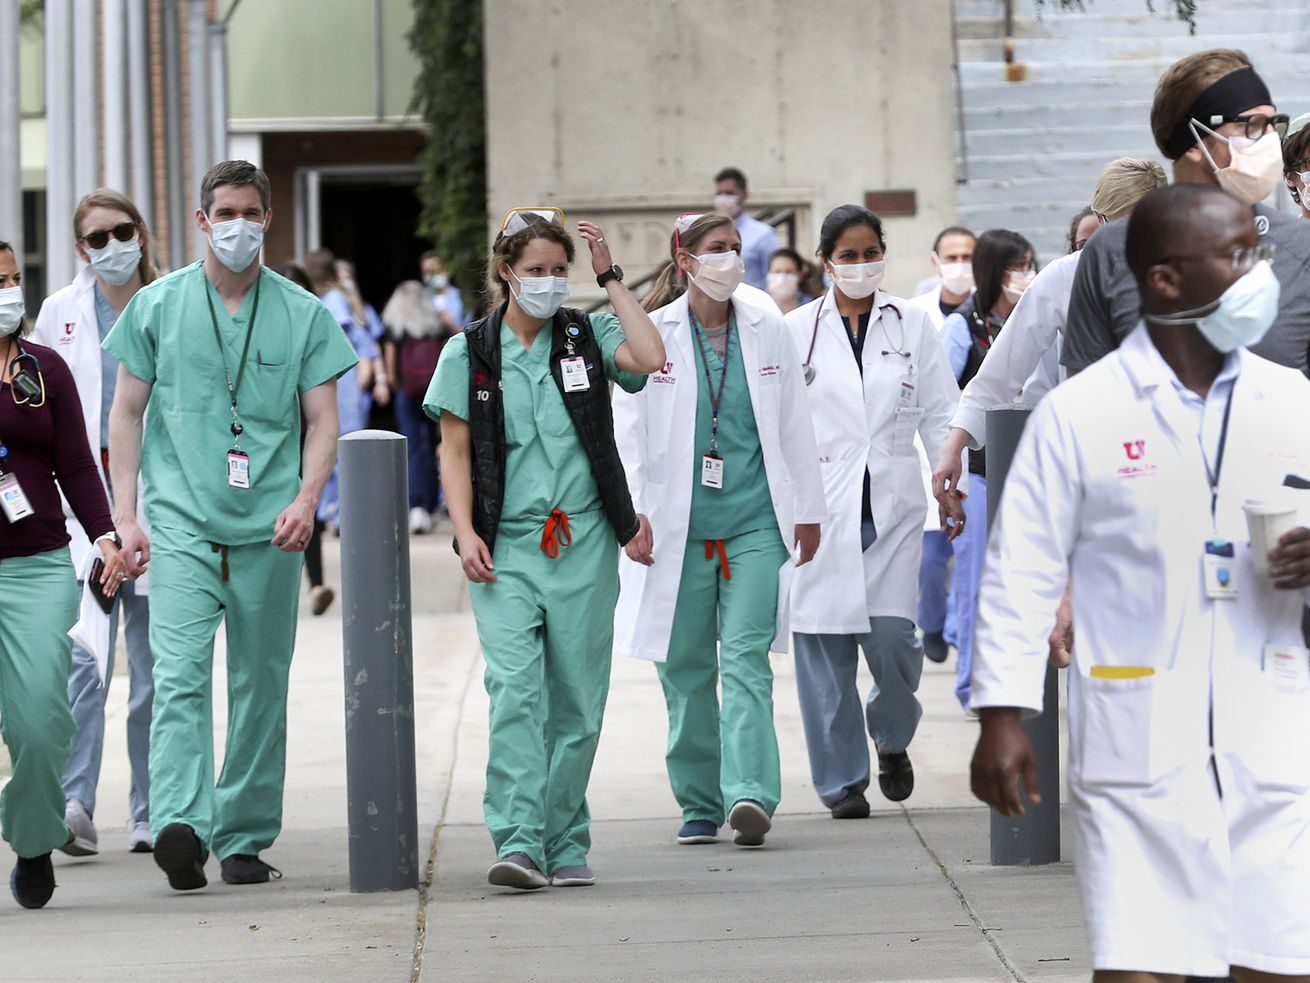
(1273, 739)
(1128, 736)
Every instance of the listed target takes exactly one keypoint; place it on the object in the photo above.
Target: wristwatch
(113, 537)
(615, 272)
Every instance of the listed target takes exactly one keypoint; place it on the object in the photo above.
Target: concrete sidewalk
(905, 895)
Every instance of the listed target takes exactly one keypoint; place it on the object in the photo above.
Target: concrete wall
(621, 111)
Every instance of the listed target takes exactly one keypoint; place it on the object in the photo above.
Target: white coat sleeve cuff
(1023, 690)
(972, 421)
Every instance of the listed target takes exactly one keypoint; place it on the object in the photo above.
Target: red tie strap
(713, 546)
(556, 533)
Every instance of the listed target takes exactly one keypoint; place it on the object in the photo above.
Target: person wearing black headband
(1214, 118)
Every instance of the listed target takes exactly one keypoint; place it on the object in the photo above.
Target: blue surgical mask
(1241, 316)
(236, 243)
(541, 296)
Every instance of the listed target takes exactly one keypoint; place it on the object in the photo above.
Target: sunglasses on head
(123, 232)
(518, 219)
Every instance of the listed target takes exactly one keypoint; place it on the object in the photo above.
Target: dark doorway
(372, 223)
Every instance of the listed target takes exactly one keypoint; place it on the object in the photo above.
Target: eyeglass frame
(87, 239)
(1270, 119)
(548, 214)
(1263, 251)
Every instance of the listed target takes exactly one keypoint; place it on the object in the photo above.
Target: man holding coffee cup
(1168, 481)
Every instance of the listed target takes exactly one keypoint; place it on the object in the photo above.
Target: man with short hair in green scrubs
(224, 355)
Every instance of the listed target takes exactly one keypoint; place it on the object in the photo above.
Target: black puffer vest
(589, 409)
(981, 344)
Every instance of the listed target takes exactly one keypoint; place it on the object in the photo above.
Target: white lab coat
(1109, 488)
(866, 423)
(67, 323)
(1024, 362)
(655, 431)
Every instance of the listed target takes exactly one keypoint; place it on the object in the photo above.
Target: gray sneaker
(140, 840)
(516, 870)
(749, 823)
(82, 839)
(577, 876)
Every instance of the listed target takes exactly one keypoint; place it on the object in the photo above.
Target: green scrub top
(165, 337)
(546, 466)
(743, 504)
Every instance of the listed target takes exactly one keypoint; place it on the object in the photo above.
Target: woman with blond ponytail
(721, 462)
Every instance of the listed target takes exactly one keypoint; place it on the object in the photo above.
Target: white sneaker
(140, 840)
(82, 839)
(419, 521)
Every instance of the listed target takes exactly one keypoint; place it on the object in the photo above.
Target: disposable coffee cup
(1266, 522)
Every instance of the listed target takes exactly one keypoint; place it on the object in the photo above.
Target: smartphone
(105, 601)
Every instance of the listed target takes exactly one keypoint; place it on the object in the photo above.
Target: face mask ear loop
(1200, 142)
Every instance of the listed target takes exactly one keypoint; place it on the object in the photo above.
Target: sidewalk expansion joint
(429, 870)
(1004, 959)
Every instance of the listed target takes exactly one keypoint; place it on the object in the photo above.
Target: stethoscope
(807, 368)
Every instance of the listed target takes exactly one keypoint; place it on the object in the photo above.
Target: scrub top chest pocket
(272, 379)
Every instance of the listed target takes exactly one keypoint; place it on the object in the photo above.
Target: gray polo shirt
(1104, 306)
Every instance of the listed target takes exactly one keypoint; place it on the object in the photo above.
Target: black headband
(1235, 93)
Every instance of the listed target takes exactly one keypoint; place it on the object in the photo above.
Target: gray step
(1081, 48)
(1003, 191)
(1116, 140)
(1141, 71)
(1137, 21)
(1020, 166)
(1087, 115)
(993, 92)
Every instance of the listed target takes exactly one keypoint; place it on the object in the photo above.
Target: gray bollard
(1033, 838)
(381, 795)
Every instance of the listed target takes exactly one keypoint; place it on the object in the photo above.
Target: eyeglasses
(32, 388)
(1243, 258)
(518, 219)
(1257, 124)
(124, 232)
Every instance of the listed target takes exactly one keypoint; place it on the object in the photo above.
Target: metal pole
(199, 95)
(218, 104)
(174, 155)
(11, 112)
(381, 782)
(115, 87)
(1033, 838)
(86, 104)
(139, 134)
(60, 198)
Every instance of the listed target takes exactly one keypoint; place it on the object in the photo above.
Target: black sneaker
(895, 775)
(33, 881)
(180, 855)
(247, 868)
(935, 647)
(853, 805)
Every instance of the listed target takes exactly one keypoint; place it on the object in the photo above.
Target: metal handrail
(768, 216)
(962, 169)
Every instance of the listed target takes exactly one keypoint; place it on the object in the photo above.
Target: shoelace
(716, 545)
(556, 533)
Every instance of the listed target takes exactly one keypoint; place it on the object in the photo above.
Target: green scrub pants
(38, 605)
(252, 589)
(547, 628)
(713, 765)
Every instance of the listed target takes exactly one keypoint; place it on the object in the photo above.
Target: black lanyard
(232, 390)
(715, 400)
(1213, 476)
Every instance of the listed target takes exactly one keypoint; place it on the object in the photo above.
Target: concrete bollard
(1033, 838)
(381, 795)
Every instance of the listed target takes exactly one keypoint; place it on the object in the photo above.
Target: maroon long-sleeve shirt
(48, 444)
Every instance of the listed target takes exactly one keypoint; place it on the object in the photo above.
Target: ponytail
(669, 286)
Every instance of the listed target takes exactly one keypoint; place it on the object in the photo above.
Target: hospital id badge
(1289, 665)
(905, 397)
(12, 500)
(711, 471)
(908, 419)
(1219, 570)
(238, 470)
(574, 371)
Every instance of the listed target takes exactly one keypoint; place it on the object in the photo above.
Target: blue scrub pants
(420, 435)
(38, 604)
(934, 583)
(830, 701)
(970, 549)
(87, 698)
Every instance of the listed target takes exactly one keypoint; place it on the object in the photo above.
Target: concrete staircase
(1033, 149)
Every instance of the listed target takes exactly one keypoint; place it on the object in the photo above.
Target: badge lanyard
(716, 401)
(238, 462)
(1213, 476)
(1217, 562)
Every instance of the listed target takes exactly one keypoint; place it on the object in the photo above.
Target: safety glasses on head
(518, 219)
(123, 232)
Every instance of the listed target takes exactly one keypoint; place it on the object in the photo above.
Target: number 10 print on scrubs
(711, 471)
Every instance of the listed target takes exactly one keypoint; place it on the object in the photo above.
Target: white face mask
(719, 274)
(1015, 284)
(436, 282)
(957, 278)
(858, 280)
(117, 261)
(1253, 168)
(541, 296)
(783, 286)
(236, 243)
(1305, 185)
(1243, 313)
(727, 204)
(11, 310)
